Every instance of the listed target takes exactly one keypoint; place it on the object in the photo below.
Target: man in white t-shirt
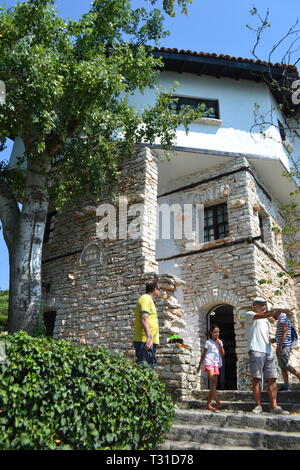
(261, 359)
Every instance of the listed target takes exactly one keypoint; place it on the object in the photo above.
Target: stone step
(292, 396)
(189, 445)
(245, 406)
(259, 439)
(238, 420)
(293, 385)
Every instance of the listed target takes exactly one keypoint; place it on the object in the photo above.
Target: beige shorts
(262, 365)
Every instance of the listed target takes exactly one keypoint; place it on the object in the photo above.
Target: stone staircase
(235, 427)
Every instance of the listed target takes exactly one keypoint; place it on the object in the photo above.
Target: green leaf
(112, 404)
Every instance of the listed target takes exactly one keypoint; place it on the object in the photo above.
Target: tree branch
(259, 30)
(290, 32)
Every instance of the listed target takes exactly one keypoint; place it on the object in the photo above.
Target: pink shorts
(214, 369)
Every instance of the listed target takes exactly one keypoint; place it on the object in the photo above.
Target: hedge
(56, 395)
(3, 309)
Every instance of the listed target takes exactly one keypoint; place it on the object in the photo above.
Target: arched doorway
(49, 322)
(222, 315)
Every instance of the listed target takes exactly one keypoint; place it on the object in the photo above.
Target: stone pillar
(175, 364)
(297, 288)
(94, 283)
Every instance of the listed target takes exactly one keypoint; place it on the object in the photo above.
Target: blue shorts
(144, 357)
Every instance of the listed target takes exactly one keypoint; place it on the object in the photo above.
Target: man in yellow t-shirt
(146, 327)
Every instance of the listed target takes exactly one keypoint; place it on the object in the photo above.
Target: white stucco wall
(293, 136)
(237, 100)
(233, 134)
(17, 152)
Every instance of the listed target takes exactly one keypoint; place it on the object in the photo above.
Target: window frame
(281, 131)
(48, 231)
(213, 103)
(215, 224)
(261, 227)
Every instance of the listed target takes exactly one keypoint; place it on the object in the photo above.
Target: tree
(67, 88)
(286, 85)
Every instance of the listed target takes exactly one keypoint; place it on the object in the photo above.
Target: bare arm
(275, 312)
(202, 359)
(145, 324)
(221, 349)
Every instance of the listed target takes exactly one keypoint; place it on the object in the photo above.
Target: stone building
(234, 174)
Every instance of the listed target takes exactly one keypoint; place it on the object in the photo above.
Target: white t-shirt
(213, 356)
(258, 334)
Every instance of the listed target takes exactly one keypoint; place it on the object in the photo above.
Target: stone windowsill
(210, 244)
(209, 121)
(220, 241)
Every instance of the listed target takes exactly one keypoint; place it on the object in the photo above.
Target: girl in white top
(212, 359)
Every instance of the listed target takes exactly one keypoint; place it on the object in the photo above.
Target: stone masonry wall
(297, 288)
(239, 270)
(94, 284)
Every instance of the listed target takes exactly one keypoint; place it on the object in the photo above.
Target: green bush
(55, 395)
(3, 309)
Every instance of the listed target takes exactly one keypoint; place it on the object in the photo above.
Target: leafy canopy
(68, 85)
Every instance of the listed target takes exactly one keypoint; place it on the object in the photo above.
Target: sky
(211, 26)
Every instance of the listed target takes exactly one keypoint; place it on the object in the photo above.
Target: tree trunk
(26, 254)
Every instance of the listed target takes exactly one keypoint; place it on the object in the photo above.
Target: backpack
(294, 337)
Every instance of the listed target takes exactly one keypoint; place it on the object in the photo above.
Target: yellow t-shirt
(145, 304)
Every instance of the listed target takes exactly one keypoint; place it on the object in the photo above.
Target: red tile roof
(225, 57)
